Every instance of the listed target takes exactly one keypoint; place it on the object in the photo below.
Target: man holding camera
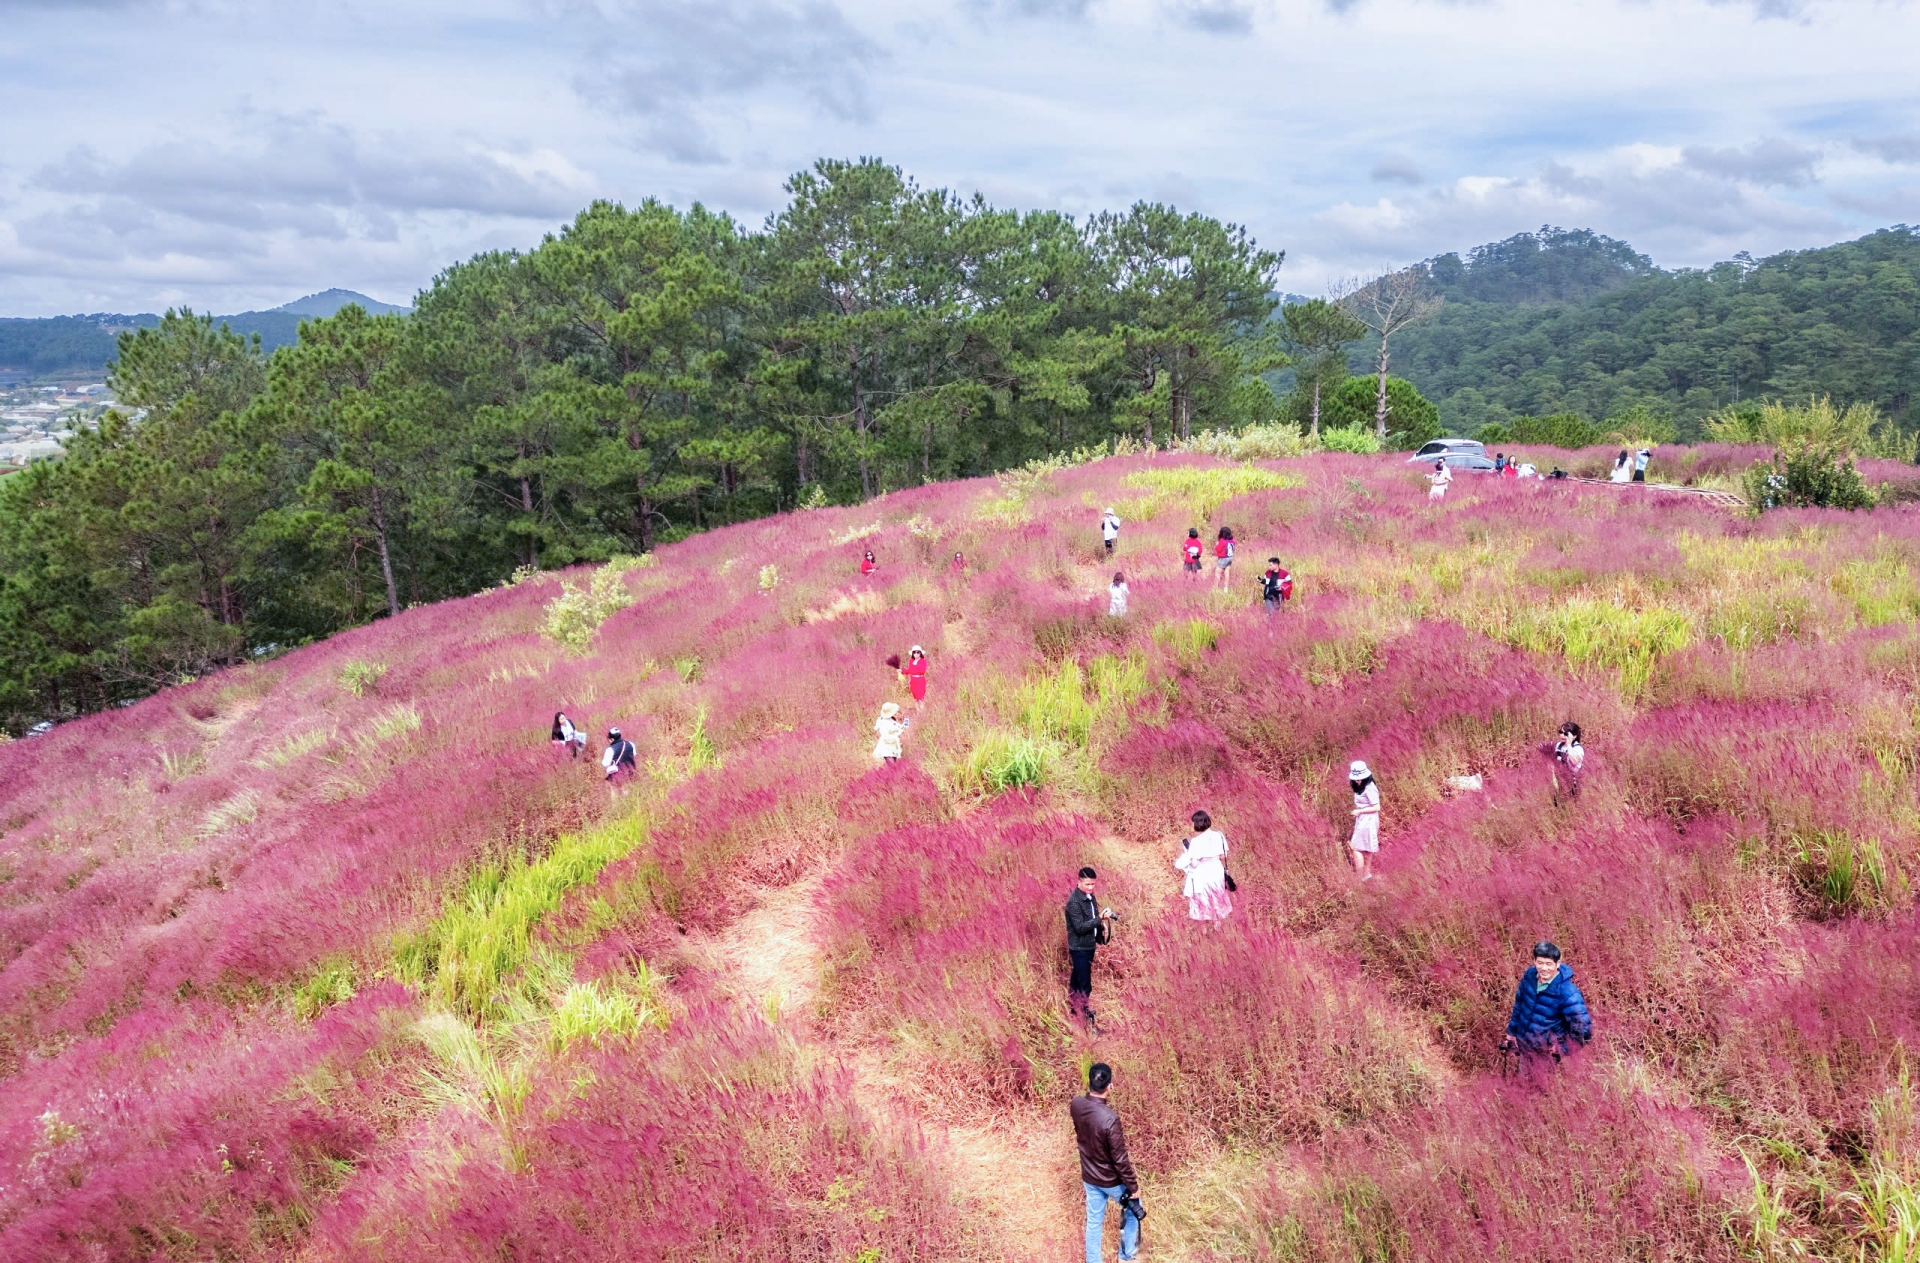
(1087, 927)
(1104, 1166)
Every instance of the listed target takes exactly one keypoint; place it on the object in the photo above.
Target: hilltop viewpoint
(339, 956)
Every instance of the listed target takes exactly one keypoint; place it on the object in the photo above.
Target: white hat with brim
(1358, 770)
(889, 710)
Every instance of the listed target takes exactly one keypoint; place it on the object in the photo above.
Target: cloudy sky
(235, 155)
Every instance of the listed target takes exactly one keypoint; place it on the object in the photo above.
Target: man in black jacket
(1105, 1168)
(1083, 935)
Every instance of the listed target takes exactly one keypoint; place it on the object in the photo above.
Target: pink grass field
(806, 1007)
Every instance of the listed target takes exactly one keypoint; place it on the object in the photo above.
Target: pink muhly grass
(1569, 1168)
(712, 1142)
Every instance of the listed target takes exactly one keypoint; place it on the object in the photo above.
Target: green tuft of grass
(467, 954)
(1205, 490)
(1004, 760)
(1187, 640)
(358, 677)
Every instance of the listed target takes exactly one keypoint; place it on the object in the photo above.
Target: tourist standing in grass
(1549, 1014)
(1622, 470)
(1190, 551)
(1109, 528)
(958, 565)
(1105, 1169)
(1117, 596)
(566, 737)
(1570, 757)
(1366, 818)
(1223, 554)
(619, 760)
(1276, 586)
(888, 729)
(1203, 858)
(915, 674)
(867, 564)
(1438, 480)
(1641, 459)
(1087, 928)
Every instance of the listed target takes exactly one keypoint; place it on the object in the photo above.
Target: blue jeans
(1097, 1199)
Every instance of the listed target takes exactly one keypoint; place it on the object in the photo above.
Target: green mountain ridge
(1571, 321)
(52, 346)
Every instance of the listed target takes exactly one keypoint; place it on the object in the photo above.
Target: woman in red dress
(916, 673)
(867, 563)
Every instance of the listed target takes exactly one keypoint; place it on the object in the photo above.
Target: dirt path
(1017, 1171)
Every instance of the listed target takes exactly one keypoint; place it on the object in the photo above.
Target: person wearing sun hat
(915, 674)
(1366, 817)
(1109, 527)
(889, 728)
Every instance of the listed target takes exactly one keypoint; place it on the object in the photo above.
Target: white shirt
(1116, 600)
(1200, 860)
(1109, 527)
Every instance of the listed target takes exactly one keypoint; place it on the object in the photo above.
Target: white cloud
(232, 155)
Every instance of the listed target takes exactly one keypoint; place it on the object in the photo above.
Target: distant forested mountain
(56, 345)
(1560, 321)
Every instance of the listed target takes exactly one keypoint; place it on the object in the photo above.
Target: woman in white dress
(1366, 817)
(1622, 468)
(1117, 596)
(1438, 480)
(889, 728)
(1203, 859)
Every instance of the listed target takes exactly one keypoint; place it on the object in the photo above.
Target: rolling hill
(54, 346)
(335, 956)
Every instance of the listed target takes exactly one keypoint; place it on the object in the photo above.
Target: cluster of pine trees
(644, 373)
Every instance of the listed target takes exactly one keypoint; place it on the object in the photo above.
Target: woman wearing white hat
(889, 728)
(1366, 817)
(915, 674)
(1109, 528)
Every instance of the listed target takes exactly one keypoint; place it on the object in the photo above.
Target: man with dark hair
(1549, 1014)
(1105, 1168)
(1086, 928)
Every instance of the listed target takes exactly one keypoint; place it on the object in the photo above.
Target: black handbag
(1232, 886)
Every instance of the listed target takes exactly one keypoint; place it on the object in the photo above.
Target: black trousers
(1081, 983)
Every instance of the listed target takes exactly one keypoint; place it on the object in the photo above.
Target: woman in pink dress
(916, 674)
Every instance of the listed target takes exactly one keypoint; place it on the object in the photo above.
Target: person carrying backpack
(1109, 528)
(619, 760)
(1190, 551)
(1223, 555)
(1276, 586)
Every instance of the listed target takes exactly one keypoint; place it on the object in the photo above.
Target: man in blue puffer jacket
(1549, 1013)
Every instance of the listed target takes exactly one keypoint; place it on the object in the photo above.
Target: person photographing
(1105, 1169)
(1088, 926)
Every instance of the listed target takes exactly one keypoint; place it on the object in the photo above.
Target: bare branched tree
(1386, 305)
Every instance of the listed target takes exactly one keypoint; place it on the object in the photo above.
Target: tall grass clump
(1592, 632)
(1187, 640)
(358, 677)
(478, 942)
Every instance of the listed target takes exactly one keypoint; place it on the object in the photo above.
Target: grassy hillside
(334, 958)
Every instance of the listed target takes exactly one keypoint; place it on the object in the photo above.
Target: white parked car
(1441, 448)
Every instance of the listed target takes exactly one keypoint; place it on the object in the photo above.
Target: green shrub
(1205, 490)
(575, 615)
(1807, 474)
(1493, 433)
(1561, 429)
(1412, 419)
(1349, 438)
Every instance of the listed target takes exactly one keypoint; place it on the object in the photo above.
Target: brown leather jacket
(1103, 1147)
